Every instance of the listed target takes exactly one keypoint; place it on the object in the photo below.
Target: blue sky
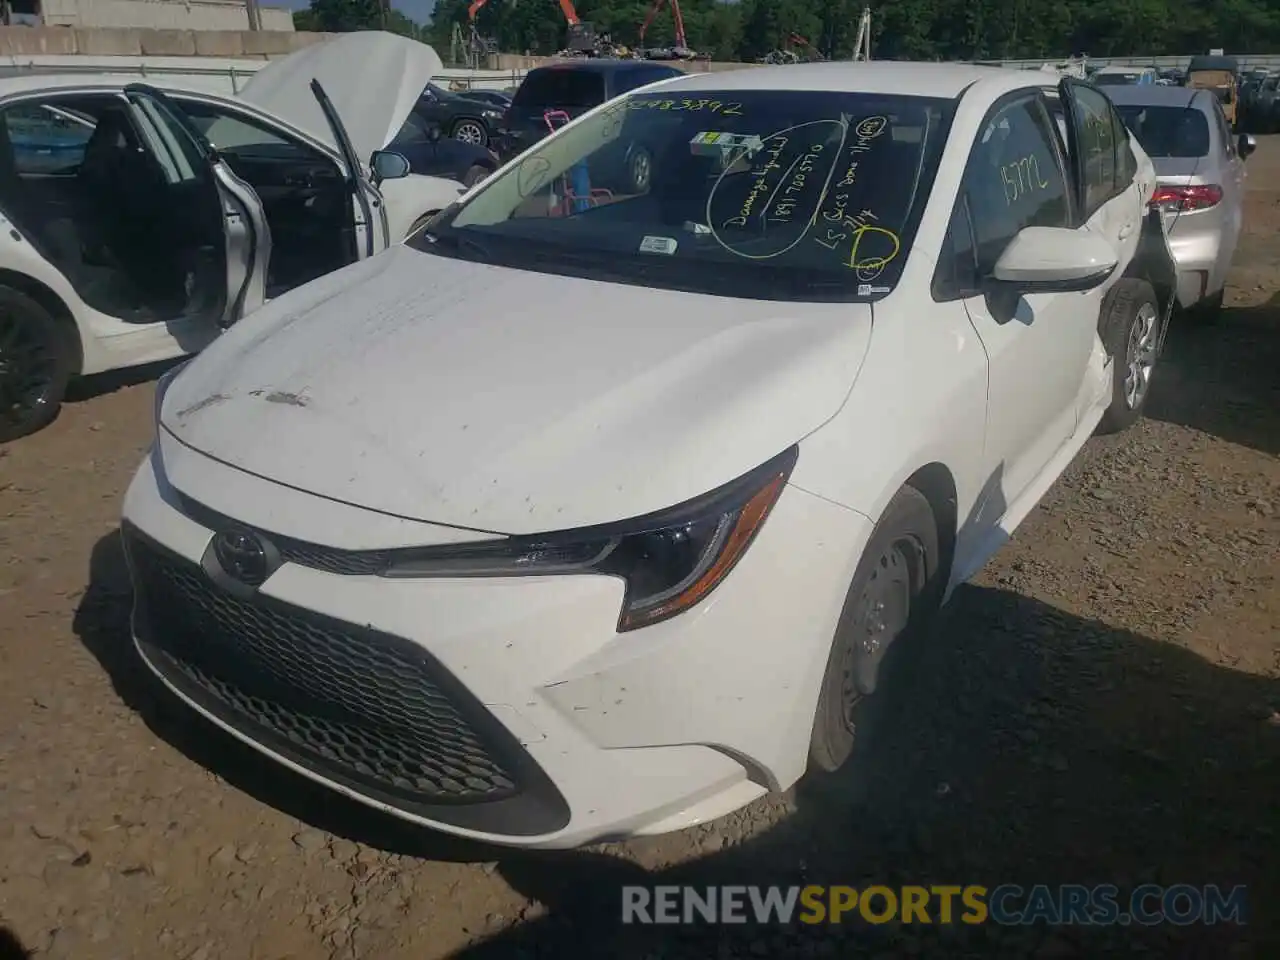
(419, 10)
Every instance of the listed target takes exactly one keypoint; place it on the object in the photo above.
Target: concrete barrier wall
(17, 42)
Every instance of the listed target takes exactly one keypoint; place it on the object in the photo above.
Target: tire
(475, 175)
(37, 361)
(639, 171)
(1131, 330)
(470, 131)
(899, 570)
(1208, 311)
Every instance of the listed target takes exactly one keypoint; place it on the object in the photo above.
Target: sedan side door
(1104, 167)
(1041, 348)
(188, 158)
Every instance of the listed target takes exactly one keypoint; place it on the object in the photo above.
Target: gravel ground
(1101, 705)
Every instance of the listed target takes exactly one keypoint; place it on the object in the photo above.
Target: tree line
(905, 29)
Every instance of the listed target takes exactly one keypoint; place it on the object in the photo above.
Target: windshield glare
(767, 194)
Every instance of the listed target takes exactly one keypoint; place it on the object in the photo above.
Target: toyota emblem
(242, 556)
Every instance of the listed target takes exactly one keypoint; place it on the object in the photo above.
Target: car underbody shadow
(1026, 746)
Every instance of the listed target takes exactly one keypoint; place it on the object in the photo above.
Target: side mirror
(388, 165)
(1054, 260)
(1246, 145)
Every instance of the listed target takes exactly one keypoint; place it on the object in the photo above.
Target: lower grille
(365, 709)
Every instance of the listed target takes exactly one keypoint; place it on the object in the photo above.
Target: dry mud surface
(1100, 705)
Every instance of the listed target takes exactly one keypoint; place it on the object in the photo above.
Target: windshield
(764, 194)
(1168, 131)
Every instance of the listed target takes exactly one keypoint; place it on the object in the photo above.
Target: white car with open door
(584, 514)
(140, 220)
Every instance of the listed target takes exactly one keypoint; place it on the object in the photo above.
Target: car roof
(944, 80)
(16, 80)
(1154, 96)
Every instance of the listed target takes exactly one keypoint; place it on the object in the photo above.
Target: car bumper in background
(504, 709)
(1196, 251)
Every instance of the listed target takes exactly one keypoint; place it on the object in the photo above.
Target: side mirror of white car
(1246, 145)
(1054, 260)
(388, 165)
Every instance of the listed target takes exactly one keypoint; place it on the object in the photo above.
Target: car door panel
(1038, 346)
(1104, 167)
(246, 236)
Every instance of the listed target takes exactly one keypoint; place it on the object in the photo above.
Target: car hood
(510, 401)
(372, 78)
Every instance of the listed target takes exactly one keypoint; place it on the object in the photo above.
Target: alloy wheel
(1140, 354)
(28, 368)
(470, 132)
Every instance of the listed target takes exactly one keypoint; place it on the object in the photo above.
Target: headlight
(669, 560)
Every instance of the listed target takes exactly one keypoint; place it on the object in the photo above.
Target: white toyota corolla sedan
(585, 515)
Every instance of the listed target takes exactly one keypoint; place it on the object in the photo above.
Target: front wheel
(36, 360)
(471, 131)
(639, 171)
(894, 593)
(1131, 331)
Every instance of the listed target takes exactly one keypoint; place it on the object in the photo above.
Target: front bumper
(505, 709)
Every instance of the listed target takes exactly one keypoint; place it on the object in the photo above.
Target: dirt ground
(1101, 705)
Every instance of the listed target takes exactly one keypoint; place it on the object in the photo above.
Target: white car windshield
(783, 195)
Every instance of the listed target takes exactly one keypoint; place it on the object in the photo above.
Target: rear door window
(560, 88)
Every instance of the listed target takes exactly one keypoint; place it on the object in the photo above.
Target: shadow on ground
(98, 384)
(102, 624)
(1025, 746)
(1022, 745)
(1224, 379)
(11, 947)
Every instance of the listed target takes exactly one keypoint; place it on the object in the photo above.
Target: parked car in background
(143, 219)
(431, 153)
(1264, 108)
(499, 99)
(1173, 76)
(1221, 76)
(1125, 76)
(463, 118)
(1200, 169)
(567, 90)
(590, 522)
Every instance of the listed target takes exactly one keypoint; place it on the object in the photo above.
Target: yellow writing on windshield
(721, 107)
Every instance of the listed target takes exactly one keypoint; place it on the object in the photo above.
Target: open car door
(219, 201)
(1104, 168)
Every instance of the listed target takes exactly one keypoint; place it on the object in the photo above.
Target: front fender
(409, 198)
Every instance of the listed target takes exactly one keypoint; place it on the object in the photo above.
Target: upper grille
(301, 552)
(365, 709)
